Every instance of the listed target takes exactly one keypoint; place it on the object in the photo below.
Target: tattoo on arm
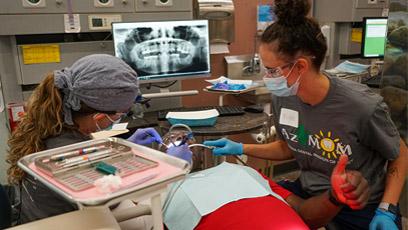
(295, 202)
(392, 171)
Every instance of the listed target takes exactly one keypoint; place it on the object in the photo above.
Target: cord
(240, 160)
(108, 36)
(150, 85)
(201, 145)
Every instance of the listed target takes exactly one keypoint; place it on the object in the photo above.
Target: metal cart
(169, 169)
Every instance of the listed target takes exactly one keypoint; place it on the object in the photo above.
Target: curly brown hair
(43, 119)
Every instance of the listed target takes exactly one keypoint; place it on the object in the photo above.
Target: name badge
(289, 117)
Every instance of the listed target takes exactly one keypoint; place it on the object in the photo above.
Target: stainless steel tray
(154, 155)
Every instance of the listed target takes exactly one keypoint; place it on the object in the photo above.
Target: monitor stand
(139, 120)
(165, 93)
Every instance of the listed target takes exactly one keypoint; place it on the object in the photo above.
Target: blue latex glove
(383, 220)
(225, 147)
(182, 152)
(145, 136)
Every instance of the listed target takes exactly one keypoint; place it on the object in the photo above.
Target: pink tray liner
(163, 170)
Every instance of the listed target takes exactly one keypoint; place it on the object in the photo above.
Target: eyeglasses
(114, 119)
(115, 116)
(276, 71)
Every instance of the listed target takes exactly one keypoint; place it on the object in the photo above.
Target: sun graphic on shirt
(328, 144)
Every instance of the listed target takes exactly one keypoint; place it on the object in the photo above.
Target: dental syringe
(213, 147)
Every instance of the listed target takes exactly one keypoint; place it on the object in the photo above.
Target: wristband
(389, 208)
(333, 199)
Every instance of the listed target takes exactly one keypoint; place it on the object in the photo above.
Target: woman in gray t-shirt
(318, 119)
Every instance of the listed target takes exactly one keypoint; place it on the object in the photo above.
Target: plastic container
(194, 118)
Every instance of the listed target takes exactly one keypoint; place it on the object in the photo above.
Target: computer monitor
(164, 50)
(374, 37)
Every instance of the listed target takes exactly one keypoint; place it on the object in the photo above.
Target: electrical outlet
(372, 1)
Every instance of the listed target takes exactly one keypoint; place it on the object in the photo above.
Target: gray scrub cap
(102, 82)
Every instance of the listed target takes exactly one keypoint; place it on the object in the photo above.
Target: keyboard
(226, 110)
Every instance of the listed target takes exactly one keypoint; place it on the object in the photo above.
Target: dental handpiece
(201, 145)
(213, 147)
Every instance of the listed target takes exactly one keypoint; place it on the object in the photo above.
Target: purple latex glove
(145, 136)
(182, 152)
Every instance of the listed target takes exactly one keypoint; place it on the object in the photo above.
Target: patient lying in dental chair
(231, 196)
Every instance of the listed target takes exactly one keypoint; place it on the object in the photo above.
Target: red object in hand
(339, 178)
(349, 187)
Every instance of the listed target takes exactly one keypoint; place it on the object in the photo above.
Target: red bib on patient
(255, 213)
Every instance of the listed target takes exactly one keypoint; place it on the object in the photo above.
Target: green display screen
(375, 36)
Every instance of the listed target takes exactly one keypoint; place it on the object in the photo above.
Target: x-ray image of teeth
(157, 50)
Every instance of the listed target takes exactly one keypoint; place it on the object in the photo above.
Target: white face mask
(279, 85)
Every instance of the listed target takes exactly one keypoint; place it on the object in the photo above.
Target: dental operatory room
(203, 114)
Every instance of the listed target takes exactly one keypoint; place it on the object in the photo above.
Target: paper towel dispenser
(220, 14)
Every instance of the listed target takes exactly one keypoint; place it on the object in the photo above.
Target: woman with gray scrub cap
(66, 107)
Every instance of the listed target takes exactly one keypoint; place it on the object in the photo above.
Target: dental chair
(95, 218)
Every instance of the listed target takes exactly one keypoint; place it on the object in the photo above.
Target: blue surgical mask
(279, 85)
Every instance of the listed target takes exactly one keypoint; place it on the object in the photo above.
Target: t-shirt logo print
(325, 144)
(328, 144)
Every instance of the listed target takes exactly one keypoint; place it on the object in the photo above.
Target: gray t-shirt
(351, 120)
(37, 200)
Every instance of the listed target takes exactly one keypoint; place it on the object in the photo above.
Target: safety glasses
(111, 118)
(114, 119)
(276, 72)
